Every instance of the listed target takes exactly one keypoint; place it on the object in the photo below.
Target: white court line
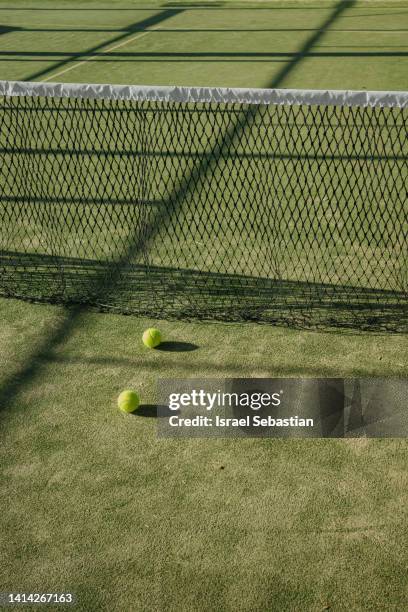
(122, 44)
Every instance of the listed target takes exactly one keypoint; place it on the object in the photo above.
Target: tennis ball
(128, 401)
(152, 337)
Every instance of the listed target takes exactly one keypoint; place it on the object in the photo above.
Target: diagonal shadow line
(135, 27)
(191, 182)
(9, 391)
(311, 42)
(35, 364)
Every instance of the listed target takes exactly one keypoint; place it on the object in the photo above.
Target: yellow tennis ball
(128, 401)
(152, 337)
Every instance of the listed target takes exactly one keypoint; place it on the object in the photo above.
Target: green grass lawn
(92, 501)
(97, 504)
(363, 45)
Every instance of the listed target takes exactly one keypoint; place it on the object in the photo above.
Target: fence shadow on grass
(121, 36)
(39, 356)
(180, 293)
(13, 283)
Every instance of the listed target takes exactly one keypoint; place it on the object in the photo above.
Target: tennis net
(284, 206)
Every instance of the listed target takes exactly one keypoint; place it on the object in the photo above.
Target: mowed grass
(100, 506)
(93, 502)
(356, 45)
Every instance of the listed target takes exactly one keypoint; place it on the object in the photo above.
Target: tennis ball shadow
(153, 410)
(176, 347)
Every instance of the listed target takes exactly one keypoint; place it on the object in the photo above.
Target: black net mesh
(286, 214)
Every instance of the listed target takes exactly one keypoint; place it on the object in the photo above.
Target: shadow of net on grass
(175, 293)
(177, 210)
(286, 214)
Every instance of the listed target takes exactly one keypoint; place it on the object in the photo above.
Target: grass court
(93, 502)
